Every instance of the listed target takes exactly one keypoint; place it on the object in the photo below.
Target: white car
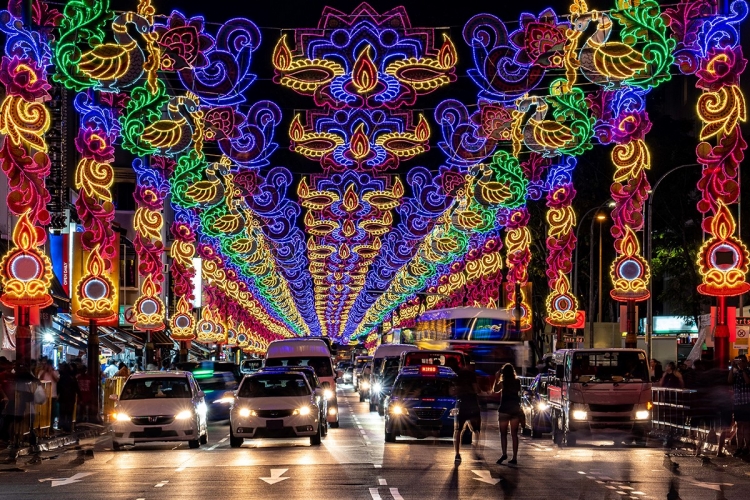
(274, 404)
(159, 406)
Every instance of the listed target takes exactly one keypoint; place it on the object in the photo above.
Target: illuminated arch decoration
(182, 322)
(708, 46)
(24, 118)
(97, 296)
(361, 69)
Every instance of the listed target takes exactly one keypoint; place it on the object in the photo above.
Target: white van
(381, 352)
(308, 352)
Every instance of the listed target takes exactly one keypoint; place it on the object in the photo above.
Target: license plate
(274, 424)
(152, 431)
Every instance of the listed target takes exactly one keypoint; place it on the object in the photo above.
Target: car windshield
(252, 364)
(360, 363)
(154, 388)
(612, 366)
(420, 387)
(389, 375)
(321, 364)
(212, 384)
(269, 386)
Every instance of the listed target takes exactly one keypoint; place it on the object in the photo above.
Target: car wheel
(381, 410)
(556, 432)
(525, 431)
(235, 442)
(194, 443)
(334, 425)
(373, 406)
(116, 446)
(324, 423)
(390, 437)
(204, 438)
(535, 433)
(315, 440)
(361, 398)
(570, 439)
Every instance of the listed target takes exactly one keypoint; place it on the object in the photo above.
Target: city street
(354, 463)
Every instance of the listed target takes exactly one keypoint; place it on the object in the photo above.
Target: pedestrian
(469, 416)
(21, 406)
(711, 406)
(49, 374)
(739, 377)
(509, 413)
(688, 374)
(122, 370)
(67, 392)
(672, 378)
(655, 370)
(111, 369)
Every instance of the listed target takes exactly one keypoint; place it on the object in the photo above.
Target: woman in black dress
(509, 413)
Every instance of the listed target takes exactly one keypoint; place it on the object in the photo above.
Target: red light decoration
(149, 308)
(630, 272)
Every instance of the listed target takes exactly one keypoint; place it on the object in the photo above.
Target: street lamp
(650, 301)
(601, 218)
(608, 203)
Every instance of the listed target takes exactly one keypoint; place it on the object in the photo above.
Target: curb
(62, 441)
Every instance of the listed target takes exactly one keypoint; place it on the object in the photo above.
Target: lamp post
(600, 217)
(608, 203)
(649, 238)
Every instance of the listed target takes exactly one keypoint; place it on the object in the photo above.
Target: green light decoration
(642, 22)
(571, 108)
(81, 24)
(187, 172)
(144, 108)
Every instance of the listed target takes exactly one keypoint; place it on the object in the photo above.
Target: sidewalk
(84, 432)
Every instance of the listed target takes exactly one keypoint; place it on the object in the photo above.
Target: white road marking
(180, 468)
(275, 476)
(377, 466)
(222, 440)
(375, 494)
(486, 477)
(161, 484)
(363, 431)
(76, 478)
(395, 494)
(382, 481)
(214, 446)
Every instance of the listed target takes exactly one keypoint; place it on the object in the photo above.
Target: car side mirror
(114, 397)
(201, 394)
(229, 395)
(339, 374)
(319, 392)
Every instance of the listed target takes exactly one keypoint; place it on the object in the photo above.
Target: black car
(535, 406)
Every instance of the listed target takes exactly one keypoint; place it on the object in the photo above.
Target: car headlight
(398, 410)
(365, 385)
(247, 412)
(184, 415)
(121, 417)
(642, 415)
(542, 406)
(377, 387)
(328, 393)
(332, 411)
(454, 412)
(580, 415)
(305, 410)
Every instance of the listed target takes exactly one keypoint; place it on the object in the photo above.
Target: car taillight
(428, 370)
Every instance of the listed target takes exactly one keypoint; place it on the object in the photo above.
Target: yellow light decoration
(630, 160)
(630, 271)
(95, 178)
(148, 223)
(412, 71)
(406, 145)
(720, 111)
(315, 200)
(149, 308)
(562, 306)
(364, 72)
(182, 323)
(312, 145)
(97, 295)
(24, 122)
(723, 260)
(26, 272)
(303, 75)
(386, 200)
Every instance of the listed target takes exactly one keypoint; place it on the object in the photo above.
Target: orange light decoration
(562, 306)
(97, 295)
(182, 323)
(723, 259)
(360, 144)
(149, 308)
(26, 272)
(364, 72)
(630, 271)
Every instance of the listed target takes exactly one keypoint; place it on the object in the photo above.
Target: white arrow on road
(486, 477)
(275, 476)
(66, 480)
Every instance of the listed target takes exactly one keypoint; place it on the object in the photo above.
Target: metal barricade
(112, 386)
(525, 382)
(673, 411)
